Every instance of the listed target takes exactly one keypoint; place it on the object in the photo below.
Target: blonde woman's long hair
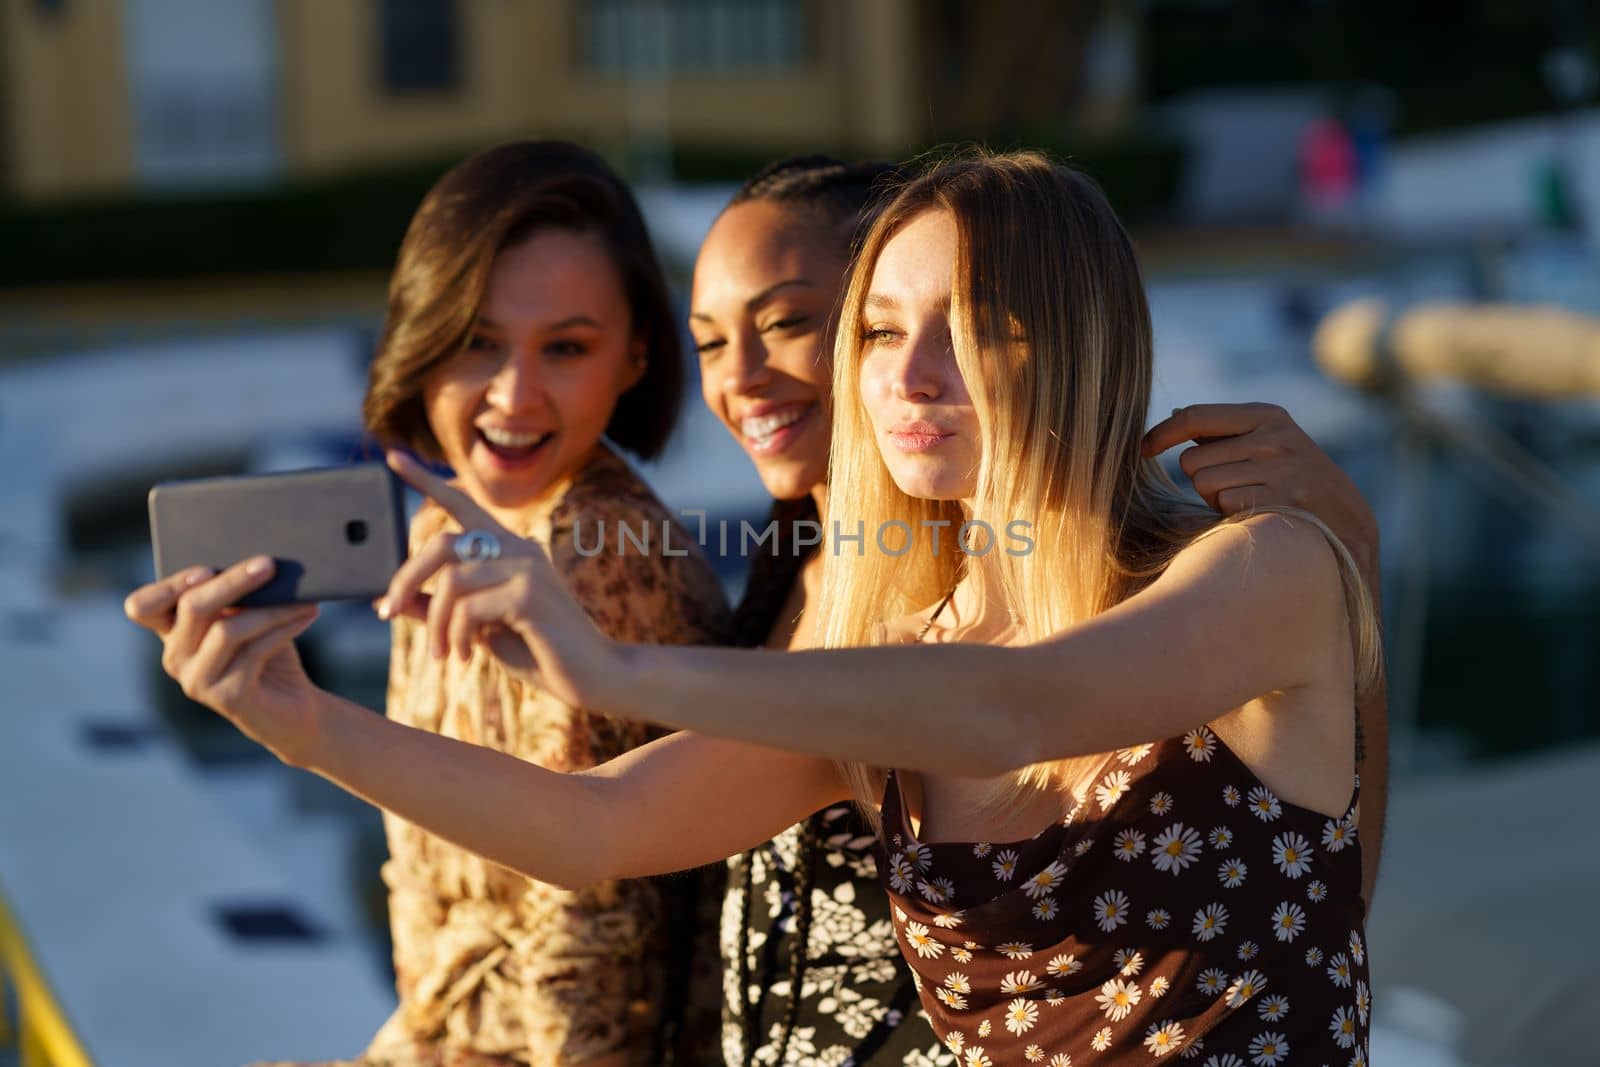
(1048, 312)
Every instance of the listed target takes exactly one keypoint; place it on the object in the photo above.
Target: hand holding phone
(336, 533)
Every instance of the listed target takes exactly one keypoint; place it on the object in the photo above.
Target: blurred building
(102, 95)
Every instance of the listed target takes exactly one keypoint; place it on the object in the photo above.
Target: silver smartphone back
(336, 533)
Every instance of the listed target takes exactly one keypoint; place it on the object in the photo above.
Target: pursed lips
(918, 435)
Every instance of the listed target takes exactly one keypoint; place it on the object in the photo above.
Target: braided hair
(839, 194)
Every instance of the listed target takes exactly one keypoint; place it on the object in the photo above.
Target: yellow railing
(42, 1032)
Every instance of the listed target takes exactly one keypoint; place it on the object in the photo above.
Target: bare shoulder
(903, 629)
(1284, 551)
(1274, 574)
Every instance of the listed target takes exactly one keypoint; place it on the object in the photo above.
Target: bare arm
(1243, 611)
(1249, 609)
(1252, 608)
(678, 802)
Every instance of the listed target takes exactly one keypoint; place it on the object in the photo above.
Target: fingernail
(258, 566)
(198, 576)
(382, 607)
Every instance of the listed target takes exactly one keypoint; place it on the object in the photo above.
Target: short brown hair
(488, 202)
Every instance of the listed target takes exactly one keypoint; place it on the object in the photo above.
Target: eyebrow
(762, 297)
(569, 321)
(881, 300)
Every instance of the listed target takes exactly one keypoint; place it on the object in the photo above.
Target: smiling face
(915, 397)
(765, 286)
(522, 406)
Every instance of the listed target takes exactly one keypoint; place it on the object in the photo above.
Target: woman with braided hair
(766, 285)
(807, 942)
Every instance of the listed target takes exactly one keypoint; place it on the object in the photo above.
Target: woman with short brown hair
(529, 335)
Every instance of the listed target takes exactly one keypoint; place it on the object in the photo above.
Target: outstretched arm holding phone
(624, 819)
(568, 829)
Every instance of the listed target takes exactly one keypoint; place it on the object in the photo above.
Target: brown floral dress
(1183, 909)
(494, 969)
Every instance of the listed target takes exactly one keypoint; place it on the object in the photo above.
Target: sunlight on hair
(1049, 314)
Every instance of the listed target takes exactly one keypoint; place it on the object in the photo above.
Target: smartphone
(336, 533)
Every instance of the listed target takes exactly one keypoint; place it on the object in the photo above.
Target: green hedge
(348, 223)
(356, 222)
(1139, 173)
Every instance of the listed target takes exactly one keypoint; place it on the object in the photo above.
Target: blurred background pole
(1407, 602)
(1569, 73)
(648, 62)
(887, 103)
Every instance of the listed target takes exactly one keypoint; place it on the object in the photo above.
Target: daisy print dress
(1183, 910)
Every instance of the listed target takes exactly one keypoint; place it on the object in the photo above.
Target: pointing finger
(460, 506)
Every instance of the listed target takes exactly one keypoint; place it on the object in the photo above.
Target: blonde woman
(1116, 805)
(807, 939)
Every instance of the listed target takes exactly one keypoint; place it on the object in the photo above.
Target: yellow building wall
(66, 119)
(854, 92)
(522, 77)
(336, 111)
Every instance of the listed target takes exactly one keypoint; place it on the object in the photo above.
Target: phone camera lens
(355, 532)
